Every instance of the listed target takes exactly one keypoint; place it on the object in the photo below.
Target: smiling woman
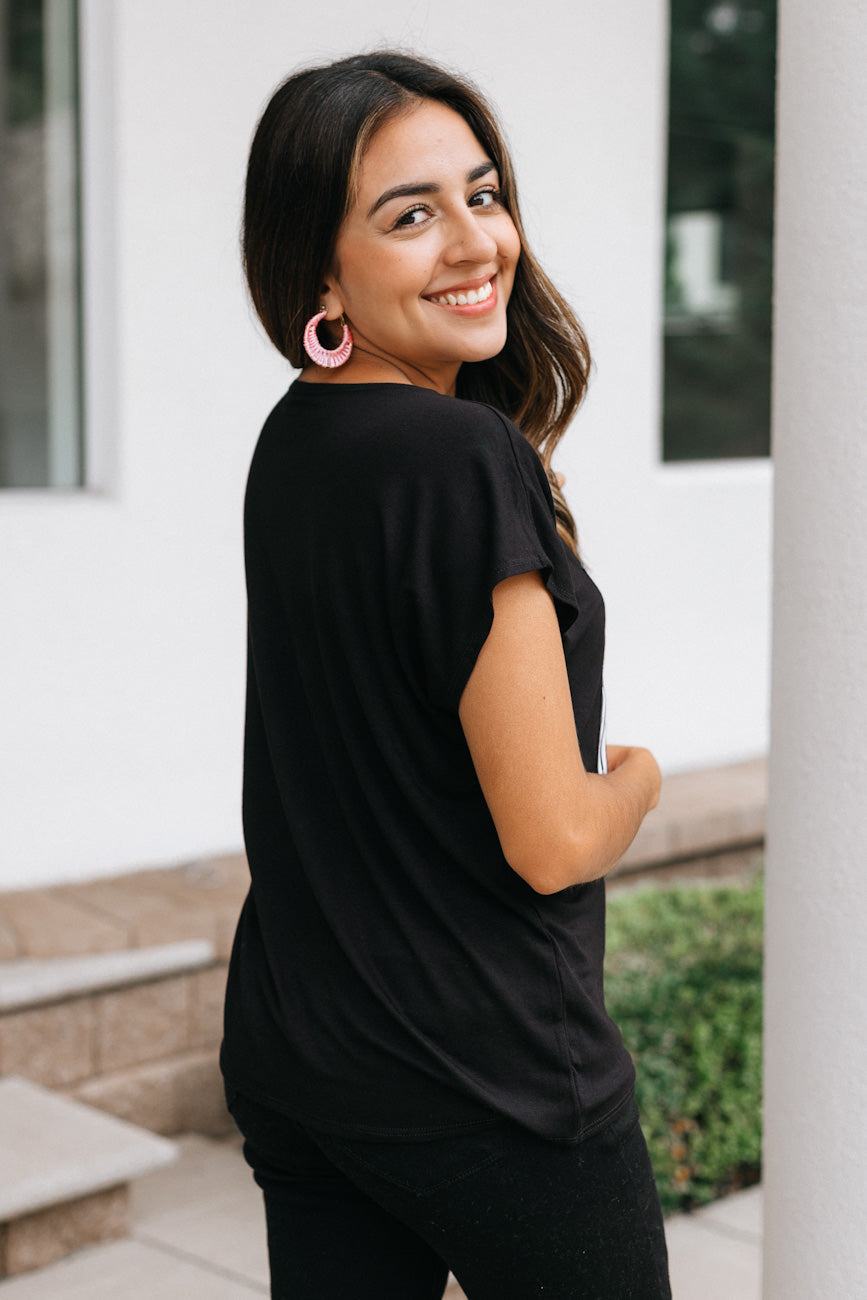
(424, 268)
(416, 1046)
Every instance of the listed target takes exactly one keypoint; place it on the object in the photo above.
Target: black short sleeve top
(391, 974)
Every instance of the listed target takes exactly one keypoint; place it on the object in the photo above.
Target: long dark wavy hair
(301, 183)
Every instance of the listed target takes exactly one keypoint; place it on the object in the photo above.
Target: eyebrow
(422, 187)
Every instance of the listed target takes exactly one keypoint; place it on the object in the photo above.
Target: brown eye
(408, 219)
(487, 198)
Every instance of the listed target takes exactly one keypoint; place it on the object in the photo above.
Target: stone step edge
(56, 1150)
(182, 1093)
(33, 981)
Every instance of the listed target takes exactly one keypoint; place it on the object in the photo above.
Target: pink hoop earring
(329, 357)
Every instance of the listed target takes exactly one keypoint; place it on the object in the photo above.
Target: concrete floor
(198, 1234)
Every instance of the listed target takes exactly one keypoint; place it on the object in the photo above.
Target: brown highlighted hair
(301, 182)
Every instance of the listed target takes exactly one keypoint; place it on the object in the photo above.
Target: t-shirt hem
(420, 1132)
(608, 1116)
(386, 1132)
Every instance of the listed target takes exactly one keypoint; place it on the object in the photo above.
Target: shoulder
(394, 411)
(384, 435)
(440, 433)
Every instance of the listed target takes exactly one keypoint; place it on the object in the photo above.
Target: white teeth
(470, 298)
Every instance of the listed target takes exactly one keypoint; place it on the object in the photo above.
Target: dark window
(719, 232)
(40, 330)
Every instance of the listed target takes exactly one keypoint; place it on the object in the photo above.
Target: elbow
(552, 882)
(547, 886)
(554, 865)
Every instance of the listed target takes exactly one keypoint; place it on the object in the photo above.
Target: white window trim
(99, 272)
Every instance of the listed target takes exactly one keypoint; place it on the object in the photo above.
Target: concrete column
(816, 944)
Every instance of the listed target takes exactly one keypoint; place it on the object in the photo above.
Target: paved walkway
(198, 1234)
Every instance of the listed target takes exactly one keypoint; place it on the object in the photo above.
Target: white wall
(122, 653)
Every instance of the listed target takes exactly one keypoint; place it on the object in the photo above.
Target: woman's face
(425, 261)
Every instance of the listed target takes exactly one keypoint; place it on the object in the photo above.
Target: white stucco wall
(122, 651)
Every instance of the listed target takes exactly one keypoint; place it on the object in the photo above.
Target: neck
(373, 362)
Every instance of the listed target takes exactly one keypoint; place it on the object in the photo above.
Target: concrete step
(33, 981)
(66, 1174)
(132, 1032)
(200, 900)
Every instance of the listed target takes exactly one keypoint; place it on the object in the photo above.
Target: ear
(331, 298)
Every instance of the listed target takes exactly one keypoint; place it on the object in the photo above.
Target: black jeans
(512, 1215)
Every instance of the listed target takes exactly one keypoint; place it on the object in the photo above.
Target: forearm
(612, 812)
(594, 829)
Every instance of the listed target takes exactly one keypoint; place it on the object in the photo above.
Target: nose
(469, 240)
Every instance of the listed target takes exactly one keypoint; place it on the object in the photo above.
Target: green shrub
(684, 983)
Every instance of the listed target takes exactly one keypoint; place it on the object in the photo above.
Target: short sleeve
(483, 513)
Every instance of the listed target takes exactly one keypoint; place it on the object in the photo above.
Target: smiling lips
(464, 297)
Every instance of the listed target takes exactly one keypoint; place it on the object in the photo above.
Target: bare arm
(558, 824)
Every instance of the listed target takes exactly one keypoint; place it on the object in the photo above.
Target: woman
(416, 1047)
